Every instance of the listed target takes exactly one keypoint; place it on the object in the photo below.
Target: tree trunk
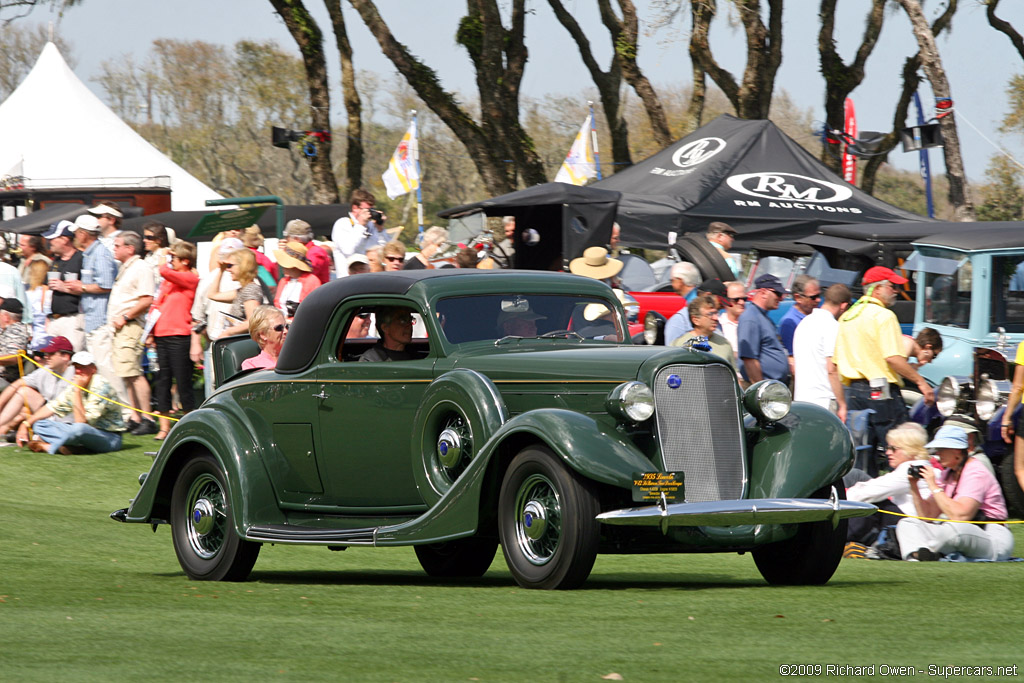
(308, 37)
(751, 97)
(911, 79)
(608, 84)
(625, 40)
(701, 14)
(486, 152)
(931, 62)
(353, 106)
(841, 79)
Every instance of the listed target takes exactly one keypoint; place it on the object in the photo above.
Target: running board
(286, 533)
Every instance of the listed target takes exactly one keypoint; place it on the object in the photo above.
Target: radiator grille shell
(700, 430)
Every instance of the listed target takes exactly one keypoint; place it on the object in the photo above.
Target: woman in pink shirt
(298, 280)
(172, 331)
(268, 329)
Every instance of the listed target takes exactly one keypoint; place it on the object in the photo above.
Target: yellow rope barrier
(951, 521)
(21, 356)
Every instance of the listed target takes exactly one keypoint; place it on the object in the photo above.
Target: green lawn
(85, 598)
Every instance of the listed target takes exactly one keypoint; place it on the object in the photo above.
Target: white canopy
(56, 133)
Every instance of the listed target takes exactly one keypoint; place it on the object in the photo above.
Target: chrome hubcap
(449, 448)
(202, 517)
(538, 515)
(207, 521)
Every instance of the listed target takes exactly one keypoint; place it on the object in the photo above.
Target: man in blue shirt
(762, 354)
(98, 272)
(806, 297)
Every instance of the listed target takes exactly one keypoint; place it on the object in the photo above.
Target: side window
(383, 333)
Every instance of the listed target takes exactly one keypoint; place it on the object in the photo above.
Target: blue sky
(978, 60)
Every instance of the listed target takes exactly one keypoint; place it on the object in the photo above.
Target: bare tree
(1003, 26)
(499, 56)
(751, 97)
(911, 79)
(308, 37)
(840, 78)
(931, 62)
(609, 84)
(701, 14)
(625, 37)
(21, 48)
(353, 106)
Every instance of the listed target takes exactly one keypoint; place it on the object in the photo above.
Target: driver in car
(394, 325)
(519, 323)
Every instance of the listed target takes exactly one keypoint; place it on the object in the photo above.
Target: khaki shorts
(126, 355)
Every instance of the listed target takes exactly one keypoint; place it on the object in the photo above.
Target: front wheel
(809, 558)
(547, 521)
(202, 525)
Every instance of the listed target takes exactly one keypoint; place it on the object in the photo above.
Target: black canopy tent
(747, 173)
(38, 222)
(567, 219)
(321, 218)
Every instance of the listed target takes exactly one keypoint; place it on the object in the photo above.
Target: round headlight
(947, 396)
(768, 400)
(986, 398)
(631, 401)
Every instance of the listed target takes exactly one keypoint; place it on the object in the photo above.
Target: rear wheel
(547, 521)
(811, 557)
(202, 525)
(1011, 487)
(464, 558)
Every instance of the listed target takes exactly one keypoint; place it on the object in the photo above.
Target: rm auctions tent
(747, 173)
(55, 133)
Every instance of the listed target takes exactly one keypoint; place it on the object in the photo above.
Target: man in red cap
(870, 360)
(39, 386)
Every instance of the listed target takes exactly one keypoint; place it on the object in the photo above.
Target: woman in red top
(173, 330)
(298, 281)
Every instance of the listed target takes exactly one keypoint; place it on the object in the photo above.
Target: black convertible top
(978, 236)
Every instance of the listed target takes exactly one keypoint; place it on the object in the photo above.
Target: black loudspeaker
(921, 137)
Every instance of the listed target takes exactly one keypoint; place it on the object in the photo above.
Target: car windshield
(948, 279)
(1007, 294)
(519, 316)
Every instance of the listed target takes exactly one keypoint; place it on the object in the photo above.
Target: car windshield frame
(948, 278)
(574, 317)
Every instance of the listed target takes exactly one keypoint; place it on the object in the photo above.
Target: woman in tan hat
(596, 264)
(298, 280)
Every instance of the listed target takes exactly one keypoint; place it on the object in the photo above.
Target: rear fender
(808, 449)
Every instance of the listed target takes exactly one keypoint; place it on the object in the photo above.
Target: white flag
(579, 164)
(403, 174)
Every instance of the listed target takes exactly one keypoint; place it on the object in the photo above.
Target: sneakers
(37, 446)
(925, 555)
(143, 427)
(855, 551)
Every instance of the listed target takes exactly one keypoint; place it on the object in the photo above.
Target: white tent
(56, 133)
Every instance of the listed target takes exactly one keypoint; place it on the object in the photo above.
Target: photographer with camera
(362, 228)
(963, 492)
(905, 448)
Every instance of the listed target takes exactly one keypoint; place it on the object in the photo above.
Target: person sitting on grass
(98, 425)
(38, 387)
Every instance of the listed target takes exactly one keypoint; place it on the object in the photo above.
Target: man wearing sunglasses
(806, 297)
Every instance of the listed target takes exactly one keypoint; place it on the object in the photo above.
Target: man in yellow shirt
(870, 360)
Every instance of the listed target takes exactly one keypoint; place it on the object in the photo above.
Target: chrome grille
(700, 430)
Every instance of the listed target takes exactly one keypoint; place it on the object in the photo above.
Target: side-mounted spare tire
(459, 412)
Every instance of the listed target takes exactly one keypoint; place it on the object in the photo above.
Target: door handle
(321, 395)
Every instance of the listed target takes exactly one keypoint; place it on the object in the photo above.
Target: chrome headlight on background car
(768, 400)
(948, 396)
(632, 401)
(986, 399)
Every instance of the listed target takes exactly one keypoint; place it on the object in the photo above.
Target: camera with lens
(915, 471)
(377, 217)
(291, 307)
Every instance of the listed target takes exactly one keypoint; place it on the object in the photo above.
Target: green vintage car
(555, 438)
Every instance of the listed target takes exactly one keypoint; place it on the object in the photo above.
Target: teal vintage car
(554, 438)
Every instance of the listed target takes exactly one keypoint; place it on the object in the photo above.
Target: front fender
(808, 449)
(223, 435)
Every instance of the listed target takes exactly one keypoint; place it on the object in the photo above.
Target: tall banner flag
(581, 162)
(850, 129)
(926, 171)
(403, 174)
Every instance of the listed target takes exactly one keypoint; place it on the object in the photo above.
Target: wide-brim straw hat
(292, 255)
(595, 263)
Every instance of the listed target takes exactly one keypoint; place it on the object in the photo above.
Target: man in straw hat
(596, 264)
(298, 230)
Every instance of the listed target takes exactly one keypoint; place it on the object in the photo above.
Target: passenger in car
(394, 325)
(268, 329)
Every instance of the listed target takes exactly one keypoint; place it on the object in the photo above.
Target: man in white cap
(108, 214)
(207, 314)
(98, 272)
(66, 318)
(97, 426)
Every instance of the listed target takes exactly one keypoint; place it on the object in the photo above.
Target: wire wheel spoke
(538, 519)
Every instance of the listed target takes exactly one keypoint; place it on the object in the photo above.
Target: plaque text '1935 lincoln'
(517, 414)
